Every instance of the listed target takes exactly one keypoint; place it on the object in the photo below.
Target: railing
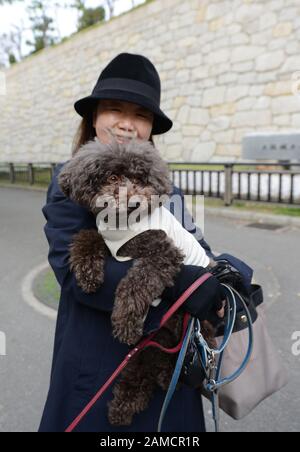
(239, 181)
(27, 173)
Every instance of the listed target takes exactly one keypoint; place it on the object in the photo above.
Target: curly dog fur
(99, 170)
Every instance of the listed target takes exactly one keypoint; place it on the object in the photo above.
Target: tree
(11, 45)
(2, 2)
(91, 16)
(7, 54)
(42, 25)
(111, 7)
(87, 16)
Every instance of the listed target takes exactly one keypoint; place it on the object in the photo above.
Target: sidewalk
(252, 216)
(238, 214)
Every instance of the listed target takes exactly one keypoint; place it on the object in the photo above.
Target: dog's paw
(130, 310)
(88, 277)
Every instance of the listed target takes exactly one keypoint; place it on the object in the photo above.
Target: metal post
(30, 173)
(52, 169)
(12, 175)
(228, 198)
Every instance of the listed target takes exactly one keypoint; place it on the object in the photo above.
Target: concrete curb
(253, 216)
(28, 295)
(24, 187)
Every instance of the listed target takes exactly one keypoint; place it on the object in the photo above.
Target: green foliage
(12, 59)
(90, 16)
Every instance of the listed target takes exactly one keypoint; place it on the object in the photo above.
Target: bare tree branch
(111, 7)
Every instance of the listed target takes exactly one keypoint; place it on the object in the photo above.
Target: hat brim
(161, 123)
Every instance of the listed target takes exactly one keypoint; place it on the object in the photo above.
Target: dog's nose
(131, 187)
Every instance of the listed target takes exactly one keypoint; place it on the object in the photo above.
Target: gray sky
(14, 15)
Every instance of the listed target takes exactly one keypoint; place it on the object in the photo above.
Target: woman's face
(126, 120)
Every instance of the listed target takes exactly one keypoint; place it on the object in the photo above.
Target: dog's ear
(80, 177)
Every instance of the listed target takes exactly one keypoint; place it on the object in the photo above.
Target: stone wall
(227, 68)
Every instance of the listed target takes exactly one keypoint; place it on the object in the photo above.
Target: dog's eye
(113, 179)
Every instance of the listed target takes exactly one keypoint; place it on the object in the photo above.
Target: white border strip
(28, 296)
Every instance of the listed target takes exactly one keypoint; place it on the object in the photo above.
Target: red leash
(147, 342)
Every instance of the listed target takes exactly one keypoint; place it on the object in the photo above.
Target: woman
(125, 100)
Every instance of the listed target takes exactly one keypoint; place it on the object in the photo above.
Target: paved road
(24, 372)
(275, 258)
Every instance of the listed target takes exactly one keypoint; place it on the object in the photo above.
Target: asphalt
(25, 370)
(275, 257)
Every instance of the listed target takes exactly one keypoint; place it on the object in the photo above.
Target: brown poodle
(93, 179)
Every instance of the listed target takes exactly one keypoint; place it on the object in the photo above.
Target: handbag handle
(219, 383)
(207, 352)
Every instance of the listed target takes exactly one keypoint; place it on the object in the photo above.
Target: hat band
(124, 84)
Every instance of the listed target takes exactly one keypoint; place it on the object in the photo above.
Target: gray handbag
(242, 370)
(263, 376)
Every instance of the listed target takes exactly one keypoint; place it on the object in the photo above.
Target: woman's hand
(206, 303)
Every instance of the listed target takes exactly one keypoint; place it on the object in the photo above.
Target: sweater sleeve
(194, 253)
(180, 211)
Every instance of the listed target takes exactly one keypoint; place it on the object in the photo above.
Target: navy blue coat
(85, 353)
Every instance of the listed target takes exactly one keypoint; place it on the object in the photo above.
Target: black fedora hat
(130, 78)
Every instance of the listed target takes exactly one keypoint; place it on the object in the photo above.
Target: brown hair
(86, 132)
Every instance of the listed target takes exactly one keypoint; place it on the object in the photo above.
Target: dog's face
(116, 176)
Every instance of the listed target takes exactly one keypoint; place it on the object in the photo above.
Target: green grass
(25, 185)
(46, 289)
(42, 177)
(174, 167)
(256, 207)
(188, 167)
(289, 211)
